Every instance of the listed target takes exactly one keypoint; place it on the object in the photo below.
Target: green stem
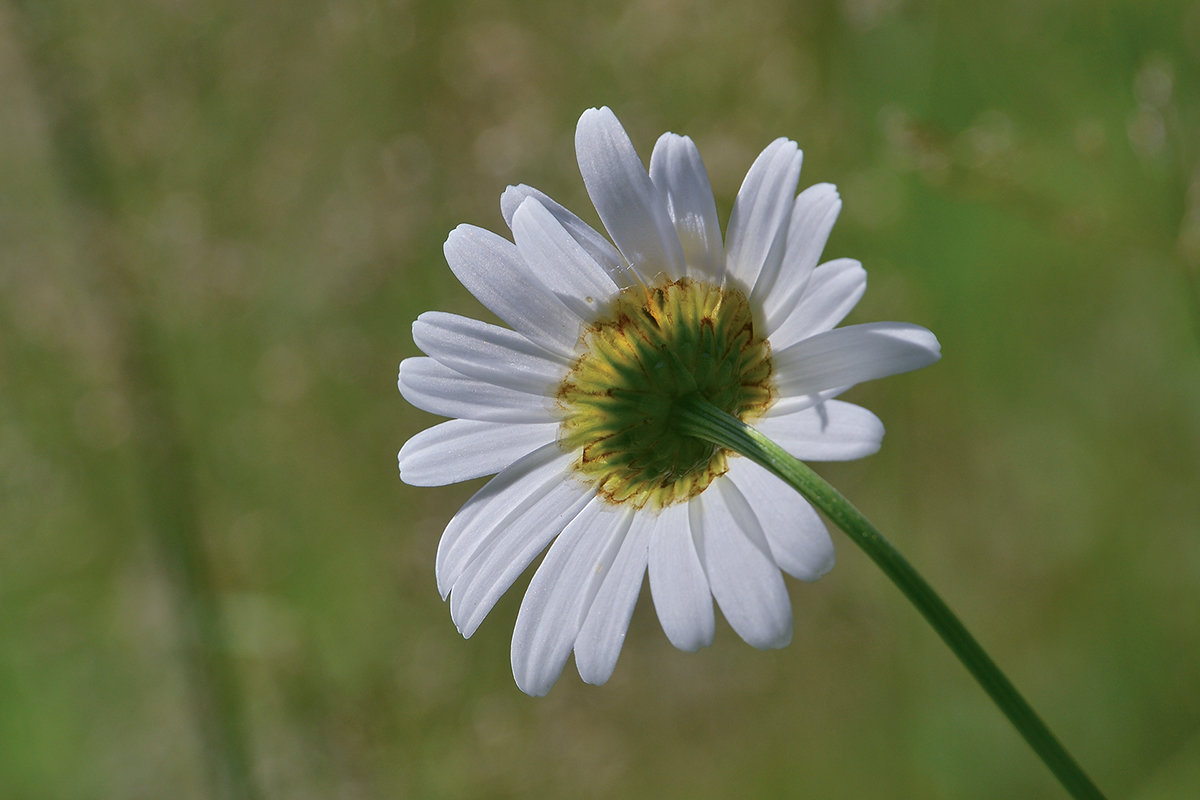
(703, 420)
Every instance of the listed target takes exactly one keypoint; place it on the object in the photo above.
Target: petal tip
(510, 199)
(594, 110)
(529, 678)
(454, 240)
(595, 125)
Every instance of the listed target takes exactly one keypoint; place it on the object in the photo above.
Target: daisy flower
(576, 405)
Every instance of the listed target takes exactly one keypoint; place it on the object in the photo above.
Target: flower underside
(655, 347)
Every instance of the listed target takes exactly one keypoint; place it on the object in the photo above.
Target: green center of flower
(654, 348)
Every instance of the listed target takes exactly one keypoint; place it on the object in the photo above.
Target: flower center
(655, 347)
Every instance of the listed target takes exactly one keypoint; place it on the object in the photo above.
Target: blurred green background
(218, 219)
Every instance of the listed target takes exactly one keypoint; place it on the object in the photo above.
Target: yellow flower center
(653, 348)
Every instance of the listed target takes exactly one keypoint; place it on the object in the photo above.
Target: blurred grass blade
(159, 447)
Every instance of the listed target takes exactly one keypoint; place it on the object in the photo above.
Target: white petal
(506, 555)
(488, 353)
(829, 431)
(834, 290)
(759, 220)
(490, 267)
(812, 218)
(790, 404)
(678, 172)
(603, 632)
(631, 207)
(560, 262)
(744, 576)
(438, 389)
(598, 247)
(678, 583)
(513, 492)
(799, 542)
(853, 354)
(561, 592)
(462, 449)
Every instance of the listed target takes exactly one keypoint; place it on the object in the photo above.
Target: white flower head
(572, 404)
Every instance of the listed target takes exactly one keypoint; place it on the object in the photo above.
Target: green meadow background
(218, 220)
